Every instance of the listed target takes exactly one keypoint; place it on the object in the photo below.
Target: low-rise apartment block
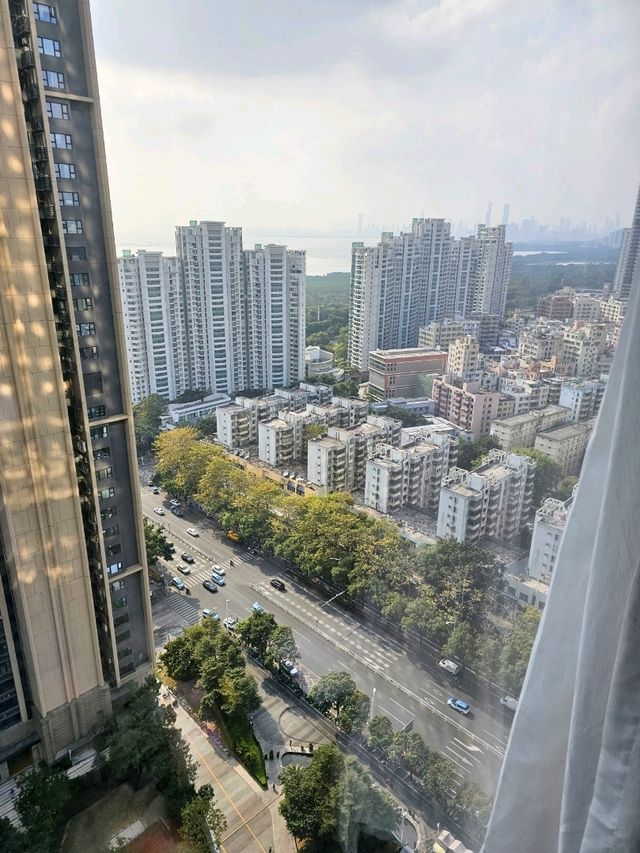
(494, 500)
(556, 306)
(440, 335)
(326, 464)
(463, 358)
(548, 530)
(465, 404)
(566, 445)
(541, 341)
(582, 398)
(403, 372)
(409, 476)
(521, 430)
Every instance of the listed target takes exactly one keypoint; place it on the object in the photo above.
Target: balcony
(27, 60)
(51, 241)
(43, 182)
(21, 26)
(39, 154)
(47, 211)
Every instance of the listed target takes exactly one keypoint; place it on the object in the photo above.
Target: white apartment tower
(154, 323)
(412, 279)
(628, 268)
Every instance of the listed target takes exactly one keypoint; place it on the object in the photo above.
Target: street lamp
(373, 699)
(226, 609)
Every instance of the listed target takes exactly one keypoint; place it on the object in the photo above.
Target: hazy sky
(308, 112)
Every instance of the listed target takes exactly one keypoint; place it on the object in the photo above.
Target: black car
(177, 511)
(276, 583)
(187, 558)
(209, 585)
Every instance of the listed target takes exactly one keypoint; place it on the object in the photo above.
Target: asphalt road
(401, 685)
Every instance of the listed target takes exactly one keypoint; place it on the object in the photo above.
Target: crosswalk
(342, 630)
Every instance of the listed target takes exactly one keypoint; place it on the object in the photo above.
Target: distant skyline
(317, 111)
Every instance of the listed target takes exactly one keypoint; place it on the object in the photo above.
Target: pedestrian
(290, 743)
(274, 788)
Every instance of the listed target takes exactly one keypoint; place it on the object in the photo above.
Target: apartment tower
(75, 620)
(628, 268)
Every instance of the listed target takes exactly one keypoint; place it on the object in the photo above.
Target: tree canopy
(516, 649)
(155, 541)
(147, 418)
(469, 452)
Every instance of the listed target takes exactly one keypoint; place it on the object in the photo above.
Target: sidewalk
(254, 823)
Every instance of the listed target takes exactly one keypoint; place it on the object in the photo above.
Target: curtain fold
(570, 781)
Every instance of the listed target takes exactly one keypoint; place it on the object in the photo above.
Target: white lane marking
(400, 706)
(465, 770)
(344, 666)
(459, 755)
(470, 746)
(382, 708)
(501, 741)
(460, 745)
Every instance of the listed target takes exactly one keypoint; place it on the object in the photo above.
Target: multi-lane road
(402, 686)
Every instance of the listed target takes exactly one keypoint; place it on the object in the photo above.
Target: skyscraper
(628, 268)
(244, 311)
(74, 595)
(412, 279)
(154, 322)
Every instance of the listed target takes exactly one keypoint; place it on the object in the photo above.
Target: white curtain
(571, 775)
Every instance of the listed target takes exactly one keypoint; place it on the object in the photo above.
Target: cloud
(319, 110)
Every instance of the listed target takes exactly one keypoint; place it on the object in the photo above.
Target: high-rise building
(74, 594)
(412, 279)
(155, 324)
(628, 268)
(244, 310)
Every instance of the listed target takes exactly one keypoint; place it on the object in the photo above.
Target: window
(125, 652)
(79, 279)
(49, 47)
(65, 170)
(112, 550)
(96, 412)
(120, 638)
(86, 329)
(99, 432)
(87, 353)
(120, 602)
(44, 12)
(102, 453)
(113, 569)
(109, 532)
(116, 585)
(76, 253)
(61, 140)
(85, 304)
(68, 199)
(105, 494)
(53, 79)
(104, 474)
(72, 226)
(108, 512)
(56, 109)
(121, 620)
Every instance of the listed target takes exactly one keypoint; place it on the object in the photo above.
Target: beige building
(465, 404)
(566, 445)
(75, 619)
(463, 358)
(440, 335)
(521, 430)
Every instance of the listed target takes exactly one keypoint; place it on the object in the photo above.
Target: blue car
(458, 705)
(257, 608)
(217, 578)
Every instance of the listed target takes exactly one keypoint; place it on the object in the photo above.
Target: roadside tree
(380, 733)
(331, 691)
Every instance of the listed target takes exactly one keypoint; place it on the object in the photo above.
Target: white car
(289, 667)
(230, 623)
(219, 570)
(450, 666)
(192, 531)
(158, 510)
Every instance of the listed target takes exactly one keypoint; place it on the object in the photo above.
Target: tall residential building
(74, 596)
(495, 499)
(465, 404)
(412, 279)
(463, 358)
(155, 324)
(628, 268)
(244, 310)
(548, 529)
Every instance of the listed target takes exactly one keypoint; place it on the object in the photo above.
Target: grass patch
(240, 738)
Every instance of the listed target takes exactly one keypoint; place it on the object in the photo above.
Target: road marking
(344, 666)
(382, 708)
(400, 706)
(464, 769)
(460, 756)
(501, 741)
(470, 746)
(459, 743)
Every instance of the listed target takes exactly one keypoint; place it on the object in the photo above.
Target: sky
(306, 113)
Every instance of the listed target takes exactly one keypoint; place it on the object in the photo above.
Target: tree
(200, 818)
(11, 839)
(282, 644)
(406, 416)
(380, 733)
(462, 644)
(155, 541)
(256, 631)
(183, 657)
(144, 745)
(181, 460)
(565, 488)
(362, 808)
(308, 803)
(249, 511)
(207, 426)
(238, 693)
(192, 395)
(41, 801)
(147, 416)
(354, 712)
(470, 451)
(548, 473)
(331, 690)
(516, 650)
(221, 482)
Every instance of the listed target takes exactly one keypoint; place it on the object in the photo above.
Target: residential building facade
(627, 272)
(465, 404)
(74, 597)
(582, 398)
(403, 372)
(566, 445)
(521, 430)
(548, 529)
